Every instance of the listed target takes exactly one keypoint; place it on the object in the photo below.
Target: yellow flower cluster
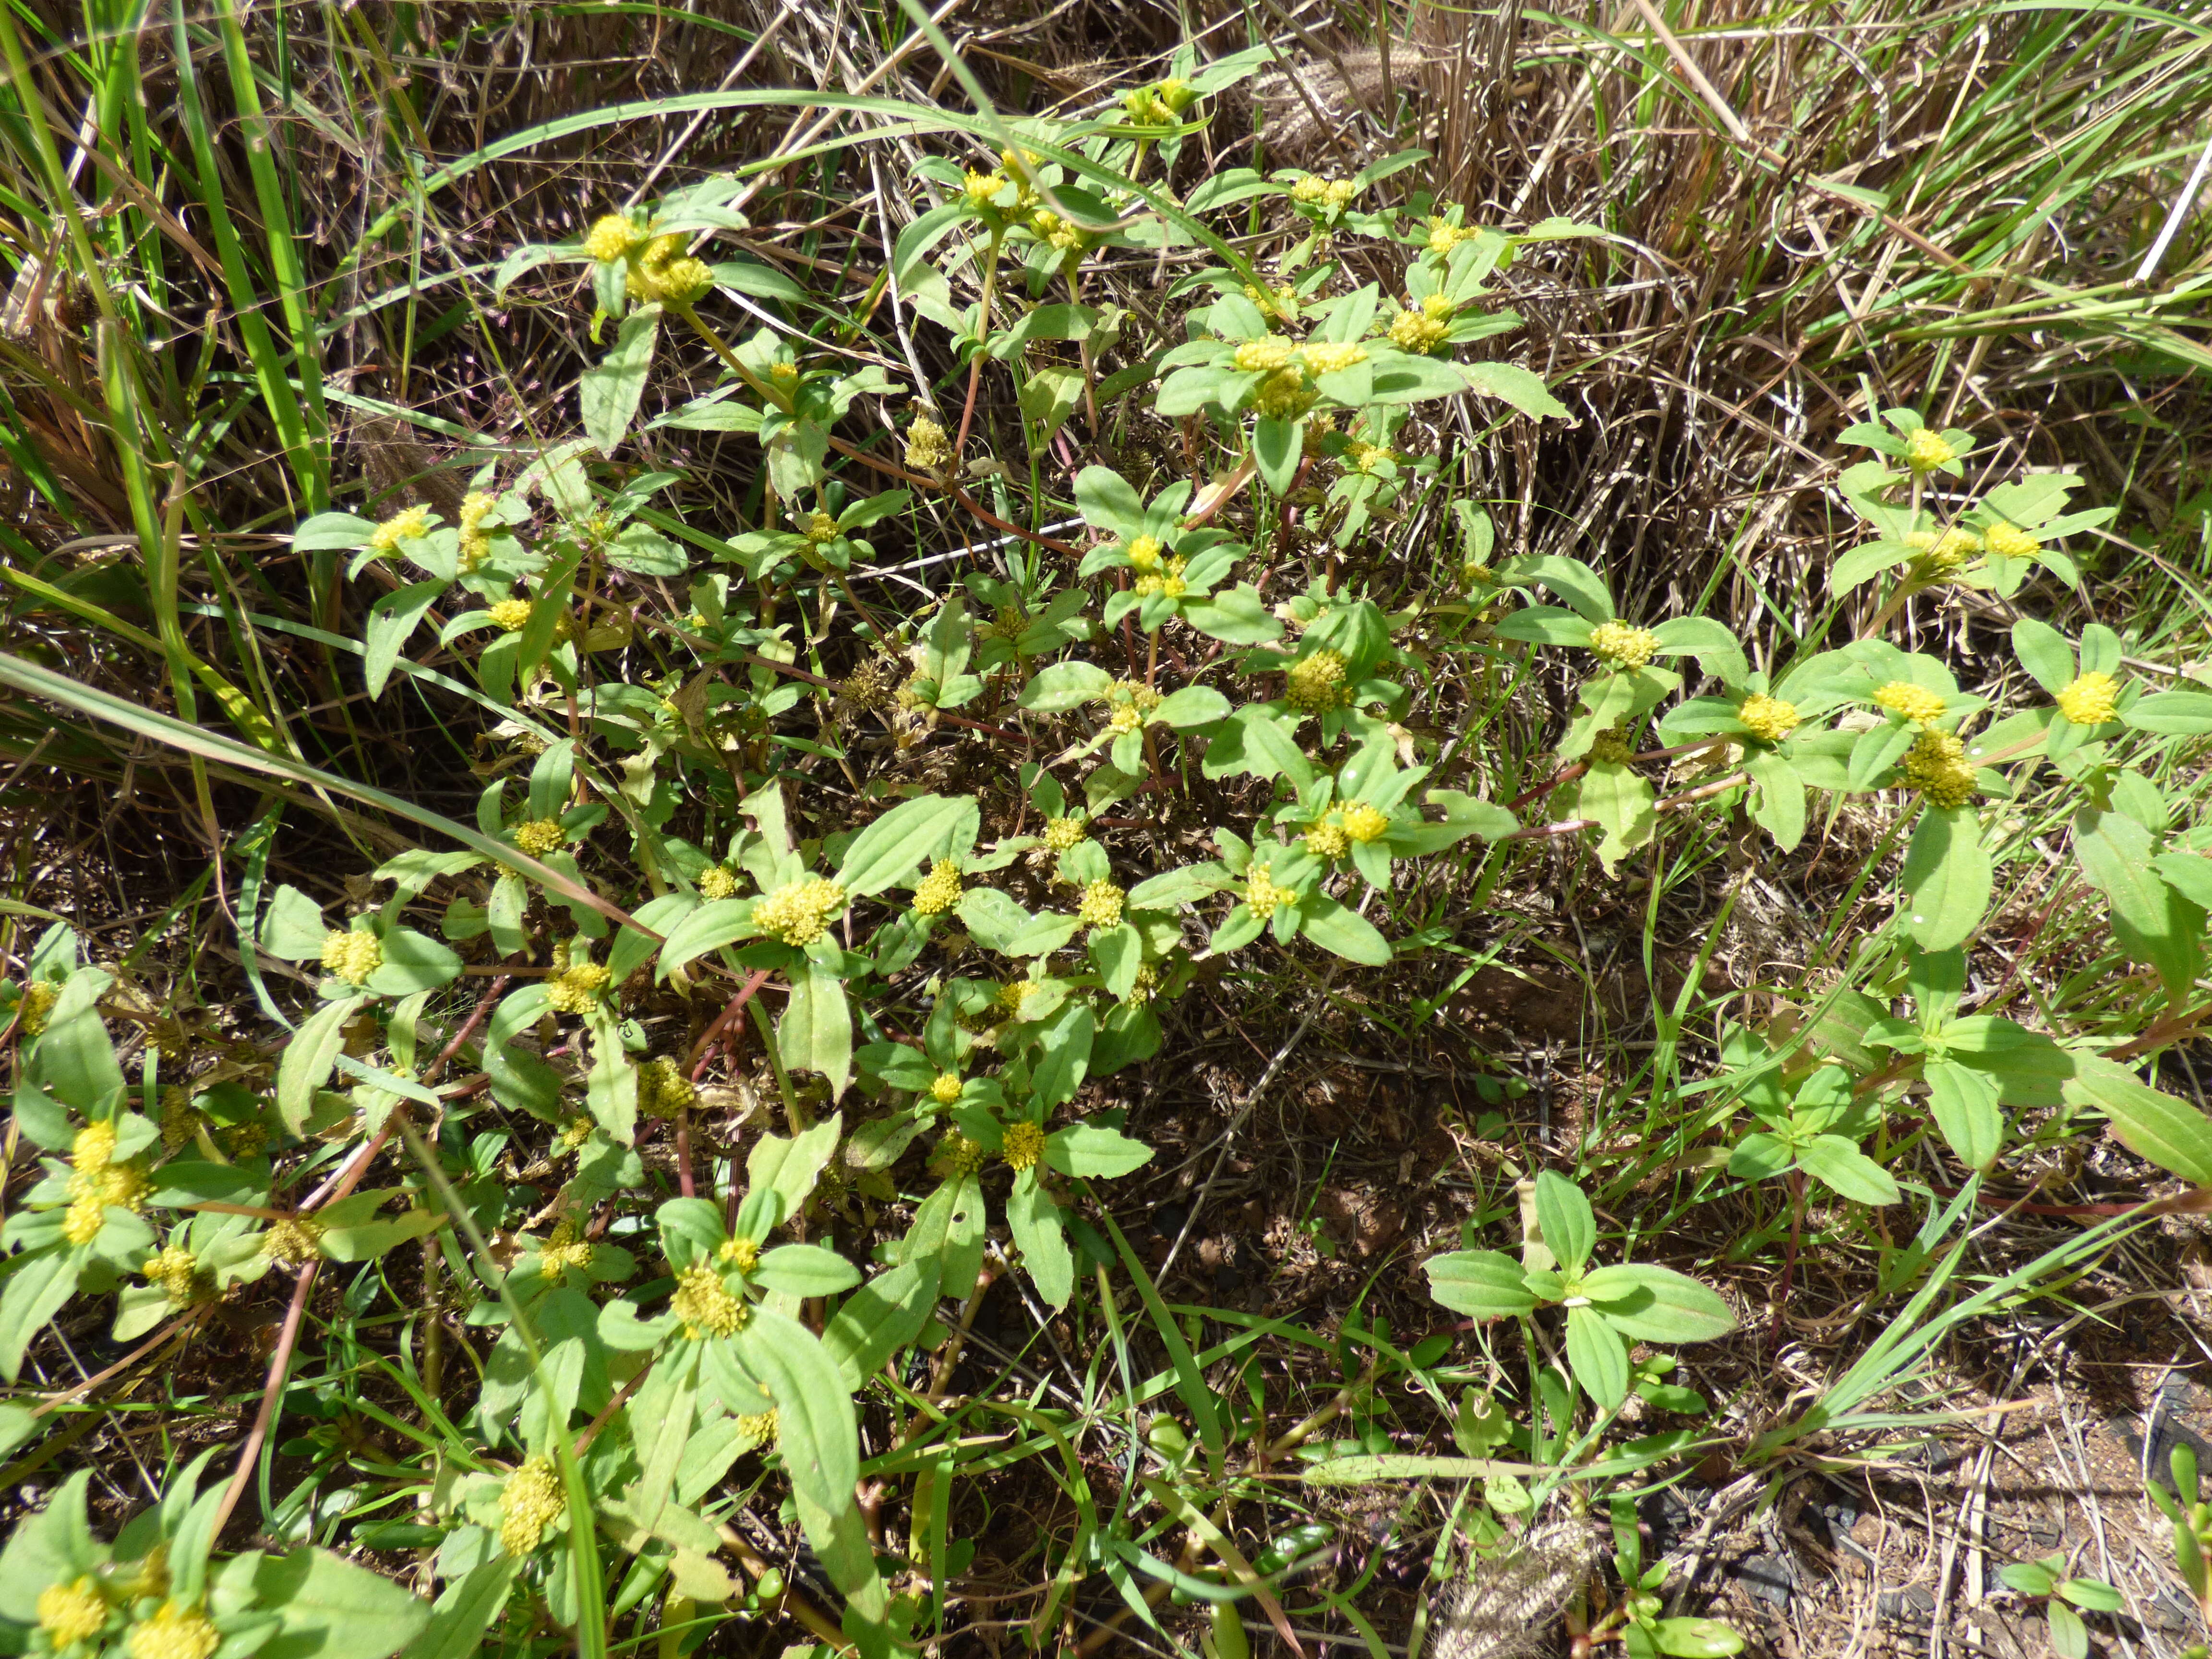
(716, 884)
(1945, 552)
(293, 1242)
(1925, 450)
(938, 891)
(2091, 700)
(538, 836)
(1147, 986)
(705, 1305)
(476, 540)
(1768, 719)
(1336, 194)
(1057, 232)
(1365, 457)
(611, 238)
(1611, 748)
(798, 913)
(1124, 720)
(664, 272)
(979, 191)
(94, 1149)
(352, 954)
(821, 529)
(1937, 765)
(1285, 395)
(1328, 839)
(73, 1612)
(177, 1630)
(1417, 332)
(759, 1427)
(1261, 896)
(1909, 701)
(1102, 905)
(1259, 357)
(1623, 646)
(1166, 581)
(2009, 541)
(564, 1252)
(1365, 824)
(1327, 357)
(1060, 833)
(174, 1271)
(579, 1129)
(531, 1501)
(1444, 237)
(1025, 1145)
(1314, 685)
(785, 375)
(927, 448)
(181, 1119)
(578, 988)
(1146, 553)
(38, 1002)
(957, 1155)
(400, 527)
(946, 1088)
(743, 1254)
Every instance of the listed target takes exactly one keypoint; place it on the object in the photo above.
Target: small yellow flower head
(1622, 646)
(579, 1129)
(957, 1155)
(1060, 833)
(1611, 748)
(1945, 552)
(1262, 895)
(69, 1614)
(759, 1427)
(705, 1305)
(564, 1252)
(1285, 395)
(1314, 684)
(1146, 553)
(1417, 332)
(1365, 824)
(743, 1254)
(1102, 905)
(1769, 718)
(177, 1631)
(1937, 765)
(980, 190)
(927, 448)
(1909, 701)
(86, 1215)
(612, 239)
(476, 506)
(400, 527)
(1326, 192)
(94, 1149)
(38, 999)
(715, 882)
(531, 1501)
(511, 616)
(1328, 839)
(1365, 458)
(1327, 357)
(578, 988)
(1123, 720)
(1146, 987)
(1443, 237)
(2091, 700)
(2009, 541)
(938, 891)
(1140, 697)
(117, 1185)
(1024, 1146)
(785, 375)
(1259, 357)
(662, 1090)
(946, 1088)
(799, 913)
(538, 836)
(1439, 307)
(821, 528)
(1925, 450)
(293, 1242)
(352, 955)
(173, 1270)
(686, 281)
(247, 1139)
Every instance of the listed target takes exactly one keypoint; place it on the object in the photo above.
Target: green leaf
(2070, 1637)
(1035, 1221)
(706, 928)
(815, 1031)
(1944, 888)
(1779, 808)
(1843, 1166)
(1064, 1055)
(75, 1060)
(1194, 705)
(412, 962)
(820, 1440)
(333, 1609)
(2153, 923)
(333, 533)
(41, 1282)
(1342, 931)
(2169, 1132)
(2043, 651)
(1238, 614)
(806, 1270)
(1598, 1356)
(1118, 953)
(392, 620)
(308, 1061)
(1573, 581)
(1525, 391)
(609, 391)
(1565, 1220)
(1651, 1303)
(1481, 1284)
(1696, 1638)
(2092, 1593)
(1087, 1149)
(1276, 445)
(1105, 498)
(881, 1317)
(913, 833)
(2175, 713)
(292, 927)
(1964, 1103)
